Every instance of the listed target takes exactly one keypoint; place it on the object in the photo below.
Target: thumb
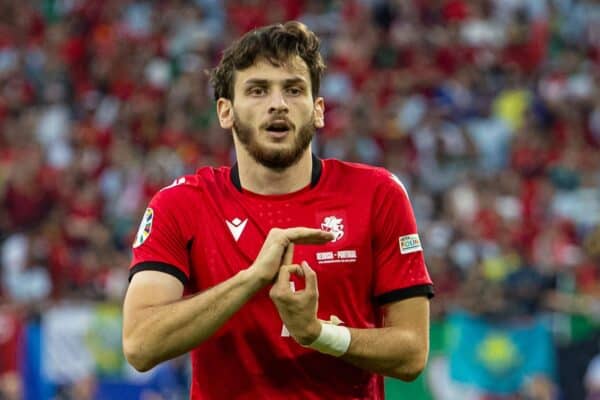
(310, 277)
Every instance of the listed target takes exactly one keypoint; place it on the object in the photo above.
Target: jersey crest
(334, 225)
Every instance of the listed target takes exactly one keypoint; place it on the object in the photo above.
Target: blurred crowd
(487, 110)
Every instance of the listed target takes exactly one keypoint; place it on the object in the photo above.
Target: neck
(259, 179)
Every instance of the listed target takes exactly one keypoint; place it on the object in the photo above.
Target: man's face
(273, 113)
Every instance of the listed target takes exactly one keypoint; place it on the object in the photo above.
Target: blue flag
(498, 358)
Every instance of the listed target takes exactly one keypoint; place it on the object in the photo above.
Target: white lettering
(346, 254)
(328, 255)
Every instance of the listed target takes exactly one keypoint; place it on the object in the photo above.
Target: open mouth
(278, 128)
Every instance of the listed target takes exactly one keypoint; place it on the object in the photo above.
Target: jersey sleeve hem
(161, 267)
(405, 293)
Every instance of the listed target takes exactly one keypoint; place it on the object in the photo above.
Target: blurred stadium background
(488, 110)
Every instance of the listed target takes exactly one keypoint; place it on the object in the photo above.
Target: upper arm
(407, 322)
(399, 263)
(410, 315)
(147, 289)
(165, 236)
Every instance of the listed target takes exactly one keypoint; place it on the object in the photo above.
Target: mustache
(278, 118)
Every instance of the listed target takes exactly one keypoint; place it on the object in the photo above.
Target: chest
(231, 234)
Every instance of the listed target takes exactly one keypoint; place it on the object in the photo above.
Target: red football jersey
(205, 228)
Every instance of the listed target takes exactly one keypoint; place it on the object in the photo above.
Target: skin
(159, 324)
(262, 93)
(399, 349)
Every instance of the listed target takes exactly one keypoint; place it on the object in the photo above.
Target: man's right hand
(278, 250)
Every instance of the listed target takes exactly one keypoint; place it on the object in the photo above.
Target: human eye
(256, 91)
(295, 90)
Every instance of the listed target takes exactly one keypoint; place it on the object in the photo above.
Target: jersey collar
(317, 169)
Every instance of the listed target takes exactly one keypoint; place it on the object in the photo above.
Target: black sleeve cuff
(405, 293)
(161, 267)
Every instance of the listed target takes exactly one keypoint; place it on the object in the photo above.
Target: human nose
(277, 102)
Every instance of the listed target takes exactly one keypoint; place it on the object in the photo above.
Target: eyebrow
(265, 82)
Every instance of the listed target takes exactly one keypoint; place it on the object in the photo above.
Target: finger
(310, 277)
(273, 251)
(303, 235)
(283, 277)
(288, 256)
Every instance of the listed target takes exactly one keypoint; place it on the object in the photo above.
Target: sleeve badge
(145, 228)
(410, 244)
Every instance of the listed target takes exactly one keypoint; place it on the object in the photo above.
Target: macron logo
(236, 227)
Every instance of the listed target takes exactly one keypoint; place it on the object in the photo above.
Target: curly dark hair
(275, 43)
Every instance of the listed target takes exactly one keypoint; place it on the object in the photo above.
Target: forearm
(388, 351)
(157, 333)
(398, 349)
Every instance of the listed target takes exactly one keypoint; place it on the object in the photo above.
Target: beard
(276, 159)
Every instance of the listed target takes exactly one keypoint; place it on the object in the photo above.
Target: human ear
(225, 113)
(319, 110)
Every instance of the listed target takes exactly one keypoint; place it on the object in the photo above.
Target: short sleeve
(400, 270)
(162, 242)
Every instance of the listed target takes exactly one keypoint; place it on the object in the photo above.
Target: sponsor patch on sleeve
(410, 244)
(144, 229)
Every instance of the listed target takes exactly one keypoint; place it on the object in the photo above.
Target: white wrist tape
(333, 340)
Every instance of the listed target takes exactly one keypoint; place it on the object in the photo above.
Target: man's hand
(278, 250)
(298, 309)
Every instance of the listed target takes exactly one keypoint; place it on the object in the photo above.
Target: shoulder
(363, 177)
(190, 187)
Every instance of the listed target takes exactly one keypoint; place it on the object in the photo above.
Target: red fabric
(186, 227)
(487, 223)
(11, 335)
(247, 16)
(588, 278)
(455, 11)
(59, 264)
(292, 8)
(451, 58)
(529, 54)
(529, 157)
(5, 37)
(27, 203)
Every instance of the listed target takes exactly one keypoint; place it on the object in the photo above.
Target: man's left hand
(298, 309)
